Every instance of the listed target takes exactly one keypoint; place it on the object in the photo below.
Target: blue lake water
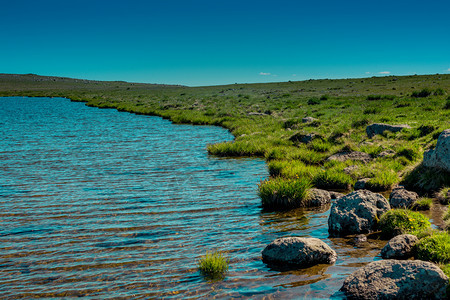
(105, 204)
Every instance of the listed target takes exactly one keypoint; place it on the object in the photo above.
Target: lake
(106, 204)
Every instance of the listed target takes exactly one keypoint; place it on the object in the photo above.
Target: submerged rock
(355, 155)
(300, 252)
(379, 128)
(357, 212)
(400, 247)
(440, 156)
(396, 279)
(402, 198)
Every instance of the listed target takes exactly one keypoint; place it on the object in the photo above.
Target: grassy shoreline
(267, 121)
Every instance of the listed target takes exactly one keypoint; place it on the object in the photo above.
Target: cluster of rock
(357, 214)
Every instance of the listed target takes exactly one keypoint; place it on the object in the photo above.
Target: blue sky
(215, 42)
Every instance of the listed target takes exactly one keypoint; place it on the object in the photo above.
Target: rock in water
(440, 156)
(357, 212)
(379, 128)
(401, 198)
(400, 247)
(318, 197)
(301, 252)
(396, 279)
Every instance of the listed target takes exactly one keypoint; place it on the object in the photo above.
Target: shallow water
(106, 204)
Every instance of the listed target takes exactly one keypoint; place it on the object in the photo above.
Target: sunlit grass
(213, 265)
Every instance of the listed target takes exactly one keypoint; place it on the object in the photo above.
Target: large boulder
(355, 155)
(400, 247)
(300, 252)
(379, 128)
(317, 197)
(396, 279)
(357, 212)
(440, 156)
(401, 198)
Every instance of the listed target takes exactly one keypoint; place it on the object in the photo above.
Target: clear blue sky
(197, 42)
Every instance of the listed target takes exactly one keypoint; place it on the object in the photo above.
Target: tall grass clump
(435, 248)
(422, 94)
(422, 204)
(213, 266)
(333, 178)
(444, 195)
(383, 180)
(280, 193)
(401, 221)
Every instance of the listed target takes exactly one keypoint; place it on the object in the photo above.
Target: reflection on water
(99, 203)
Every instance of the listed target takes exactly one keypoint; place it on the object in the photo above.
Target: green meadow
(266, 120)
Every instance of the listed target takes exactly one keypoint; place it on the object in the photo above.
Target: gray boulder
(357, 212)
(400, 247)
(401, 198)
(304, 138)
(301, 252)
(355, 155)
(440, 156)
(396, 279)
(361, 184)
(318, 197)
(379, 128)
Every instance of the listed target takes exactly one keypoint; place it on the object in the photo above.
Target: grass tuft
(444, 195)
(435, 248)
(401, 221)
(213, 266)
(280, 193)
(422, 204)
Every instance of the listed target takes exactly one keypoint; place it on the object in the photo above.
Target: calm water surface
(106, 204)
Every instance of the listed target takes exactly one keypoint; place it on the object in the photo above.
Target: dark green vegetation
(266, 120)
(213, 266)
(435, 248)
(401, 221)
(422, 204)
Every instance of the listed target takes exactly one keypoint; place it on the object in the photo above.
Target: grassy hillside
(266, 120)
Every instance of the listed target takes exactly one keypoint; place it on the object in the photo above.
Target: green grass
(435, 248)
(444, 195)
(280, 193)
(213, 266)
(422, 204)
(401, 221)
